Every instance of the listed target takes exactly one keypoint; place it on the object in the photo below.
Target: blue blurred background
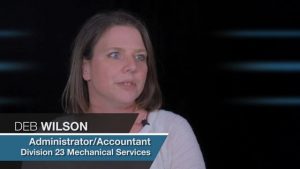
(231, 68)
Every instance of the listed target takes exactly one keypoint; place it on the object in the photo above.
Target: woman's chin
(127, 100)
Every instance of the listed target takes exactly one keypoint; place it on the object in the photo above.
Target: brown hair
(75, 95)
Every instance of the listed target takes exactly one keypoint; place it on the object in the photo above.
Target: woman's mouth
(127, 85)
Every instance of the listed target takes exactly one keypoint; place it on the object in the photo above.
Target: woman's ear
(86, 70)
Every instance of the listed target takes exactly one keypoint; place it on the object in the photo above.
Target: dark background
(191, 51)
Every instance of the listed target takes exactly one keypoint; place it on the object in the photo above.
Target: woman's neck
(112, 109)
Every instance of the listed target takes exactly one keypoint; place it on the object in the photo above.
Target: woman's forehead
(122, 37)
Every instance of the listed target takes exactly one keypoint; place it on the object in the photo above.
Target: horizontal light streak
(16, 66)
(261, 33)
(268, 101)
(13, 101)
(271, 66)
(13, 33)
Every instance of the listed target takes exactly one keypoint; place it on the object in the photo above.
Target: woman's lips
(127, 85)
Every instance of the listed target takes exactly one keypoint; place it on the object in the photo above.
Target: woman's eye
(140, 57)
(114, 55)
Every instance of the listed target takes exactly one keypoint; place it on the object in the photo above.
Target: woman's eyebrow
(122, 49)
(141, 50)
(115, 48)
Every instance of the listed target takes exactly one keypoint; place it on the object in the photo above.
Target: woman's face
(117, 72)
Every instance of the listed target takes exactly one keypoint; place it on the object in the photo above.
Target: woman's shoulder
(167, 120)
(165, 115)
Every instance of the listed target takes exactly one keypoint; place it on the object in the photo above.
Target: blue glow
(265, 66)
(271, 101)
(7, 101)
(15, 66)
(12, 34)
(263, 33)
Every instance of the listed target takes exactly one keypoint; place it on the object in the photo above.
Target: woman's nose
(130, 64)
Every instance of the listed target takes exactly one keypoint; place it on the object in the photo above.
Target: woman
(113, 71)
